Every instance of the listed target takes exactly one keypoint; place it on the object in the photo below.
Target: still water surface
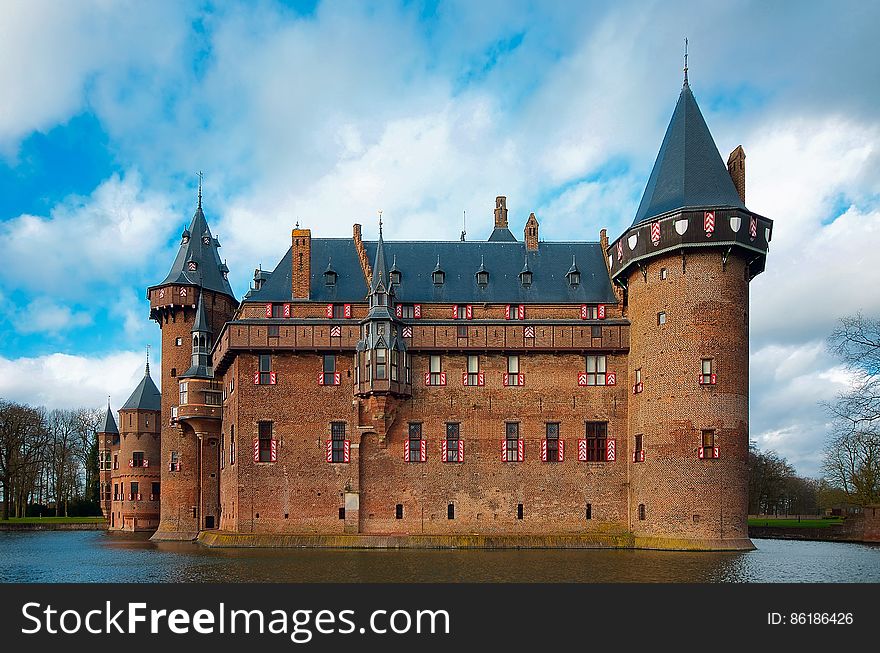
(94, 556)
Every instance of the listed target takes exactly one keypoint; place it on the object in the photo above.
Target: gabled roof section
(689, 171)
(502, 235)
(109, 425)
(146, 395)
(199, 247)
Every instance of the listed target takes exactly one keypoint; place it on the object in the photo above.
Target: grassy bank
(794, 523)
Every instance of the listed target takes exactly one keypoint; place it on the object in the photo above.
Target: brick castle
(464, 393)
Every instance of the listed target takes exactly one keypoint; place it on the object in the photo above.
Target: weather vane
(685, 61)
(200, 188)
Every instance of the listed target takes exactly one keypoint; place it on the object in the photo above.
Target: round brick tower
(684, 266)
(197, 277)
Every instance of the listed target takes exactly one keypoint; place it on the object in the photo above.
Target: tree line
(48, 458)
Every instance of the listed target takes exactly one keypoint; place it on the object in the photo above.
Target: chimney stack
(501, 212)
(530, 235)
(736, 167)
(301, 272)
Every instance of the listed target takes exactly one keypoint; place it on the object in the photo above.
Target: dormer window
(482, 278)
(574, 278)
(438, 277)
(394, 276)
(330, 278)
(525, 278)
(184, 237)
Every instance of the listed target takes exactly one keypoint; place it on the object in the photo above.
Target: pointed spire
(200, 324)
(109, 425)
(146, 395)
(380, 271)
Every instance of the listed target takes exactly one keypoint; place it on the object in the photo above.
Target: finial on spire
(463, 224)
(685, 61)
(147, 368)
(200, 189)
(108, 402)
(380, 223)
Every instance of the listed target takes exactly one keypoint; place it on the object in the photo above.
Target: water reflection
(91, 556)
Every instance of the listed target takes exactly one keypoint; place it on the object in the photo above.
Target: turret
(684, 268)
(108, 447)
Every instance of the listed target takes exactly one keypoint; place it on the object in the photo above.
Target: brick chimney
(736, 167)
(362, 254)
(301, 271)
(530, 234)
(501, 212)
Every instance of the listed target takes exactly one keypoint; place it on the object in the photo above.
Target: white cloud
(43, 315)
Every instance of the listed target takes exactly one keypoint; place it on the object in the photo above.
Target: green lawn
(53, 520)
(794, 523)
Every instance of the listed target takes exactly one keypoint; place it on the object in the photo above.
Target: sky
(326, 112)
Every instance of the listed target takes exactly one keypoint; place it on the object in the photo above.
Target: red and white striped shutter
(464, 378)
(715, 452)
(337, 378)
(503, 450)
(417, 310)
(287, 310)
(320, 378)
(329, 450)
(561, 450)
(256, 378)
(256, 450)
(442, 378)
(272, 378)
(701, 378)
(642, 456)
(507, 312)
(346, 310)
(427, 378)
(460, 450)
(328, 311)
(406, 450)
(583, 311)
(521, 311)
(423, 450)
(520, 379)
(481, 378)
(610, 450)
(611, 378)
(600, 311)
(714, 378)
(504, 379)
(520, 449)
(444, 448)
(544, 451)
(268, 310)
(700, 452)
(469, 311)
(273, 452)
(582, 379)
(455, 311)
(398, 310)
(346, 451)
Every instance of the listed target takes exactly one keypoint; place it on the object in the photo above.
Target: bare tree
(23, 440)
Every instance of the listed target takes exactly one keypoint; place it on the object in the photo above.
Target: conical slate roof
(146, 395)
(688, 172)
(109, 425)
(200, 324)
(380, 270)
(200, 248)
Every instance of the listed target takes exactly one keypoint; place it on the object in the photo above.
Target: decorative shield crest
(619, 249)
(735, 224)
(681, 226)
(753, 228)
(709, 223)
(632, 240)
(655, 233)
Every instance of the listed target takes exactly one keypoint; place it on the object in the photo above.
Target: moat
(94, 556)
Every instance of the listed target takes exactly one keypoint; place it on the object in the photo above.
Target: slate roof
(689, 171)
(459, 260)
(209, 273)
(502, 234)
(200, 324)
(109, 423)
(146, 395)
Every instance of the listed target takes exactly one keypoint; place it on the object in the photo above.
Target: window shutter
(272, 378)
(442, 378)
(460, 450)
(455, 311)
(582, 450)
(256, 378)
(600, 311)
(256, 450)
(287, 310)
(346, 451)
(406, 450)
(464, 378)
(337, 378)
(328, 450)
(346, 310)
(444, 451)
(504, 450)
(561, 450)
(583, 311)
(610, 450)
(469, 311)
(520, 449)
(507, 312)
(544, 450)
(504, 379)
(398, 310)
(582, 379)
(715, 452)
(320, 378)
(417, 310)
(268, 310)
(520, 379)
(700, 452)
(713, 379)
(611, 378)
(273, 452)
(423, 450)
(328, 312)
(481, 379)
(427, 378)
(521, 311)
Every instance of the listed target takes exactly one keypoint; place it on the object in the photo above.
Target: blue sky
(325, 112)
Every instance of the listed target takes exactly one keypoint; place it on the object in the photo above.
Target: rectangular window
(512, 442)
(407, 369)
(278, 311)
(337, 439)
(184, 393)
(395, 363)
(369, 367)
(461, 312)
(706, 375)
(406, 311)
(265, 369)
(398, 511)
(274, 331)
(596, 436)
(452, 442)
(637, 386)
(134, 491)
(473, 370)
(663, 274)
(552, 433)
(515, 312)
(174, 464)
(116, 461)
(213, 398)
(137, 459)
(638, 444)
(414, 452)
(116, 491)
(596, 370)
(435, 370)
(105, 460)
(461, 331)
(154, 491)
(265, 442)
(232, 446)
(381, 364)
(339, 311)
(329, 370)
(641, 512)
(708, 438)
(450, 511)
(513, 370)
(589, 511)
(519, 511)
(661, 317)
(591, 313)
(595, 332)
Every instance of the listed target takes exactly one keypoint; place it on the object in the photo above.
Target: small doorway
(209, 521)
